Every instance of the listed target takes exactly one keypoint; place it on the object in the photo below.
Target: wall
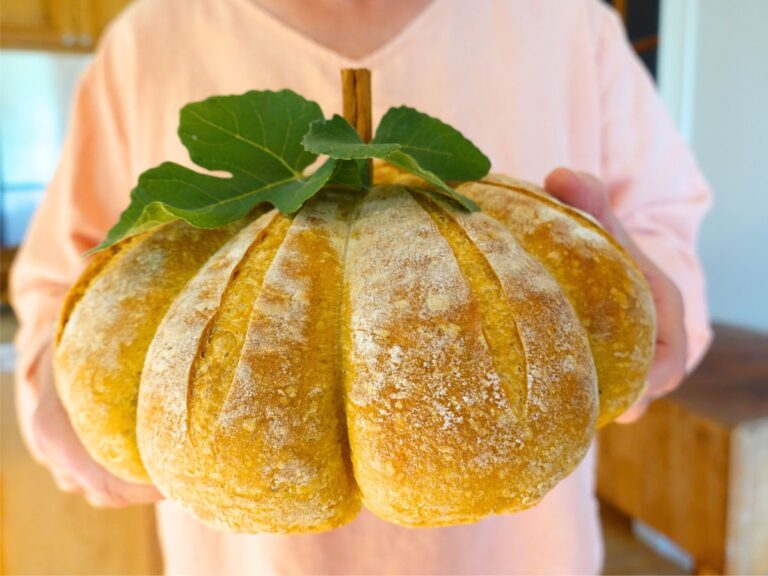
(714, 76)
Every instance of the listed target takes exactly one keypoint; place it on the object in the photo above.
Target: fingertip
(571, 188)
(65, 482)
(668, 369)
(634, 412)
(142, 493)
(559, 179)
(99, 501)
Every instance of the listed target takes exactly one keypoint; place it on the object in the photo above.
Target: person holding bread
(536, 84)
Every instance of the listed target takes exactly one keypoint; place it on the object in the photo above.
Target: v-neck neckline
(405, 33)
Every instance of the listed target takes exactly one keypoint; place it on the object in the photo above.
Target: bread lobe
(106, 327)
(498, 322)
(213, 369)
(435, 432)
(273, 455)
(602, 282)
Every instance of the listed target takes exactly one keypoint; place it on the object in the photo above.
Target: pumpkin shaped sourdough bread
(384, 347)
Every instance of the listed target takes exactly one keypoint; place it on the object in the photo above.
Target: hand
(61, 451)
(587, 193)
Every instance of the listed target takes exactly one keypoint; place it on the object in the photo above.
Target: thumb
(582, 191)
(588, 194)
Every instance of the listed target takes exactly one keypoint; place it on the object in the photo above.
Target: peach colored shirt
(535, 83)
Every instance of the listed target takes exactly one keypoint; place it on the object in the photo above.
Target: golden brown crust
(98, 264)
(261, 447)
(431, 362)
(598, 276)
(437, 436)
(106, 325)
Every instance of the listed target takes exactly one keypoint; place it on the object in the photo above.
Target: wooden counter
(695, 468)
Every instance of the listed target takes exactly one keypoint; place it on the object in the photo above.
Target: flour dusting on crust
(426, 408)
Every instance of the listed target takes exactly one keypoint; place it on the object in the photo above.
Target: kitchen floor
(46, 531)
(624, 553)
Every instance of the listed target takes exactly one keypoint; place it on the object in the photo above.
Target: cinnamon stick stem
(356, 95)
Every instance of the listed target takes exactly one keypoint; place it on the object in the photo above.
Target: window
(641, 18)
(35, 101)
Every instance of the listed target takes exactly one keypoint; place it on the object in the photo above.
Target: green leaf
(265, 140)
(409, 164)
(338, 139)
(354, 174)
(171, 191)
(256, 138)
(434, 145)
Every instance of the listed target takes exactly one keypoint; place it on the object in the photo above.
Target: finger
(45, 432)
(634, 412)
(668, 367)
(581, 191)
(111, 492)
(588, 194)
(65, 482)
(106, 490)
(101, 488)
(667, 370)
(65, 456)
(64, 451)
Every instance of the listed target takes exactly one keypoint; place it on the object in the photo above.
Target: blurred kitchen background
(684, 490)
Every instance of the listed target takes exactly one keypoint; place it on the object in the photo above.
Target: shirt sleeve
(89, 188)
(656, 188)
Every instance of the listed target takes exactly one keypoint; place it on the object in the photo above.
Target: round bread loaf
(389, 348)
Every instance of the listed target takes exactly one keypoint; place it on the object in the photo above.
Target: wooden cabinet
(70, 25)
(44, 531)
(37, 24)
(94, 15)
